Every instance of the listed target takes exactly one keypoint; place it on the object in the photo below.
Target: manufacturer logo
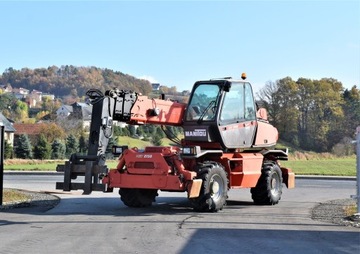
(196, 133)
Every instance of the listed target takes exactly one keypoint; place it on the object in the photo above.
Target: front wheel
(137, 197)
(268, 189)
(213, 192)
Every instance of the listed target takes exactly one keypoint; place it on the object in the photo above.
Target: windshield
(203, 104)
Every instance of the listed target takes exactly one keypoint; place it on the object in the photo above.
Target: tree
(72, 145)
(7, 102)
(308, 113)
(156, 140)
(82, 144)
(117, 131)
(71, 125)
(42, 149)
(132, 130)
(52, 131)
(58, 150)
(50, 105)
(21, 110)
(125, 132)
(8, 151)
(40, 115)
(327, 114)
(159, 132)
(140, 132)
(164, 89)
(280, 99)
(23, 149)
(351, 109)
(172, 90)
(61, 80)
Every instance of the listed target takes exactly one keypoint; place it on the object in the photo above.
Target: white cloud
(149, 78)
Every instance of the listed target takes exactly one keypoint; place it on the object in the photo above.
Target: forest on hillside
(317, 115)
(71, 80)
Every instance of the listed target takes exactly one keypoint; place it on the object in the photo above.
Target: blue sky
(178, 42)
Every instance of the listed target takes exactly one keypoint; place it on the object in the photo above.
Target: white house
(9, 129)
(64, 111)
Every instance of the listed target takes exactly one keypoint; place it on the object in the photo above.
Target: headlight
(191, 150)
(186, 150)
(118, 150)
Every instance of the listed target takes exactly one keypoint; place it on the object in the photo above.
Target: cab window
(238, 104)
(233, 106)
(250, 110)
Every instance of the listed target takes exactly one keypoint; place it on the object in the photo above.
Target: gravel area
(334, 212)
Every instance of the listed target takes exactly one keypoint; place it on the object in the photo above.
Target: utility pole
(358, 169)
(2, 129)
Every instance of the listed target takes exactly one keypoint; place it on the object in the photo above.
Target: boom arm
(133, 108)
(129, 107)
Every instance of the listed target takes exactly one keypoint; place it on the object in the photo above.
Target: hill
(71, 80)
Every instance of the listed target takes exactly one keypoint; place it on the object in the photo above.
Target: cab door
(237, 119)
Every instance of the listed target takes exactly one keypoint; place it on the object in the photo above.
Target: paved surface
(100, 223)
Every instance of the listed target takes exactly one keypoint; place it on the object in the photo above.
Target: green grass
(28, 165)
(133, 142)
(32, 167)
(332, 167)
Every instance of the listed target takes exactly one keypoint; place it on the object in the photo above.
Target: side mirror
(262, 114)
(227, 86)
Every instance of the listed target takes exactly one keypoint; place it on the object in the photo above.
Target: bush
(8, 151)
(23, 149)
(42, 149)
(344, 147)
(58, 150)
(72, 145)
(156, 140)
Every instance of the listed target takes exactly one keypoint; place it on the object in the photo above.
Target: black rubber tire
(269, 187)
(137, 197)
(213, 193)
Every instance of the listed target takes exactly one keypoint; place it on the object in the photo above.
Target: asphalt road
(100, 223)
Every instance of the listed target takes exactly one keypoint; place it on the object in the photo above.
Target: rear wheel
(213, 193)
(269, 187)
(137, 197)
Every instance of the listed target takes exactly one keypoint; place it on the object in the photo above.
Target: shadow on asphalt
(87, 205)
(204, 240)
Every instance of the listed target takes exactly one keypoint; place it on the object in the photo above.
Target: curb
(15, 172)
(320, 177)
(313, 177)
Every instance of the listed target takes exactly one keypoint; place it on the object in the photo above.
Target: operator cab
(223, 112)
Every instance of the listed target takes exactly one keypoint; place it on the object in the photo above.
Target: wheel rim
(275, 184)
(216, 187)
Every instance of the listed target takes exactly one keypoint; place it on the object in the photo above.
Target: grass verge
(39, 165)
(332, 166)
(10, 195)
